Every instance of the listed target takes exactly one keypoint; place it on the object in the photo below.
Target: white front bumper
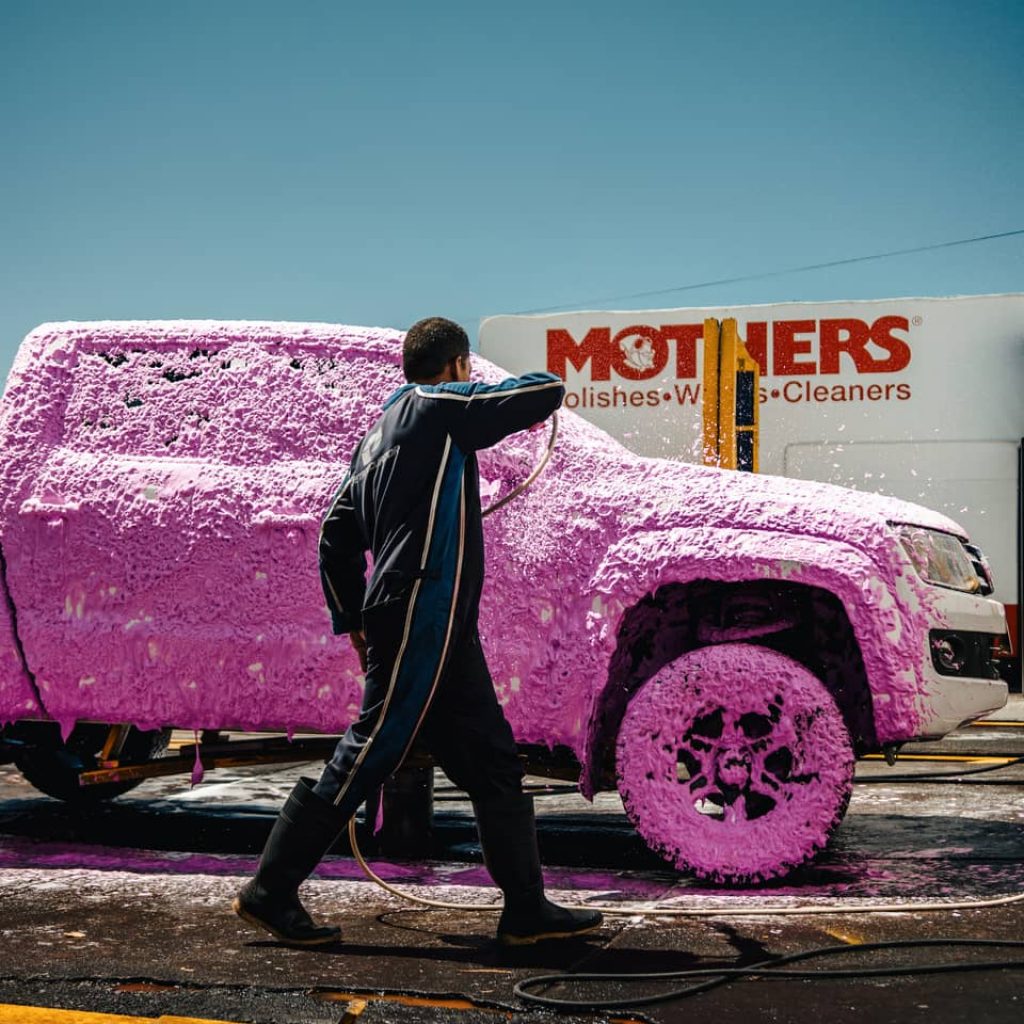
(951, 701)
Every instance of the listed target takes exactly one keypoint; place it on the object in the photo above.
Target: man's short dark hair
(430, 345)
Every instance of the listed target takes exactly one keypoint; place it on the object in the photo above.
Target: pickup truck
(718, 646)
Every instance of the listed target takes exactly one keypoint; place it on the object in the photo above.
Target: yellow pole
(730, 399)
(744, 423)
(711, 404)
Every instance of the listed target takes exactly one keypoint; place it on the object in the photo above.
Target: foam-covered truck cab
(719, 646)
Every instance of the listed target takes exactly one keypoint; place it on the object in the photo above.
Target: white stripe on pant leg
(451, 618)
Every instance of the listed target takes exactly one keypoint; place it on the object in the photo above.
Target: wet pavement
(124, 908)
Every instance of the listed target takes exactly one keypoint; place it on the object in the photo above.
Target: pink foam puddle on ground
(26, 853)
(900, 876)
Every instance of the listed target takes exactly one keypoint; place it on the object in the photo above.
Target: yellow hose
(650, 910)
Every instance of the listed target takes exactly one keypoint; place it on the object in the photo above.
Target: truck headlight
(939, 558)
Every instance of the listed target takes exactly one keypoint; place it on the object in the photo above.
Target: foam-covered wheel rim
(734, 763)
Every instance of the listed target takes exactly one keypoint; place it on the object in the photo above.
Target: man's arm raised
(480, 415)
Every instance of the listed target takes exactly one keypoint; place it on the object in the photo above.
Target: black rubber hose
(764, 970)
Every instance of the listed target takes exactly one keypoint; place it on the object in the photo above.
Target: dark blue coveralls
(412, 498)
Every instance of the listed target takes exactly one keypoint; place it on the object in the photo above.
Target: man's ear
(454, 369)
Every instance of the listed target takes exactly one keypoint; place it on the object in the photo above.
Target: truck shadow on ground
(873, 855)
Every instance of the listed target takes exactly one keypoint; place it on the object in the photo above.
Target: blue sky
(372, 164)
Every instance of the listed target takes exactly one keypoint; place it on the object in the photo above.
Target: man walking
(412, 499)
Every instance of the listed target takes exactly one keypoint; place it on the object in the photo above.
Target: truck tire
(734, 763)
(52, 765)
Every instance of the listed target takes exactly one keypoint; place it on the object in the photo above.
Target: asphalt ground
(125, 908)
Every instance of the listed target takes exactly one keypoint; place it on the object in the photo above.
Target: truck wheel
(734, 763)
(52, 765)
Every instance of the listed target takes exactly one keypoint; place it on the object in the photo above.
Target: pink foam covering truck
(720, 646)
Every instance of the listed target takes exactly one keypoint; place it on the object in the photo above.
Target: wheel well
(806, 623)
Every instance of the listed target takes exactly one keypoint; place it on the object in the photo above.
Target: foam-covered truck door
(166, 551)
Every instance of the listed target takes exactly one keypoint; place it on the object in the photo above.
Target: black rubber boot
(302, 834)
(508, 836)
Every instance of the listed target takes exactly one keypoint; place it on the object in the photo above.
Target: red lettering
(898, 349)
(757, 344)
(595, 348)
(845, 336)
(686, 337)
(639, 352)
(787, 346)
(688, 394)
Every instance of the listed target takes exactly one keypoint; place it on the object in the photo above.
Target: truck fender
(889, 620)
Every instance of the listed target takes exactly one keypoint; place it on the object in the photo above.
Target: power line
(773, 273)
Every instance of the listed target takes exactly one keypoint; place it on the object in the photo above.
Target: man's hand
(358, 638)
